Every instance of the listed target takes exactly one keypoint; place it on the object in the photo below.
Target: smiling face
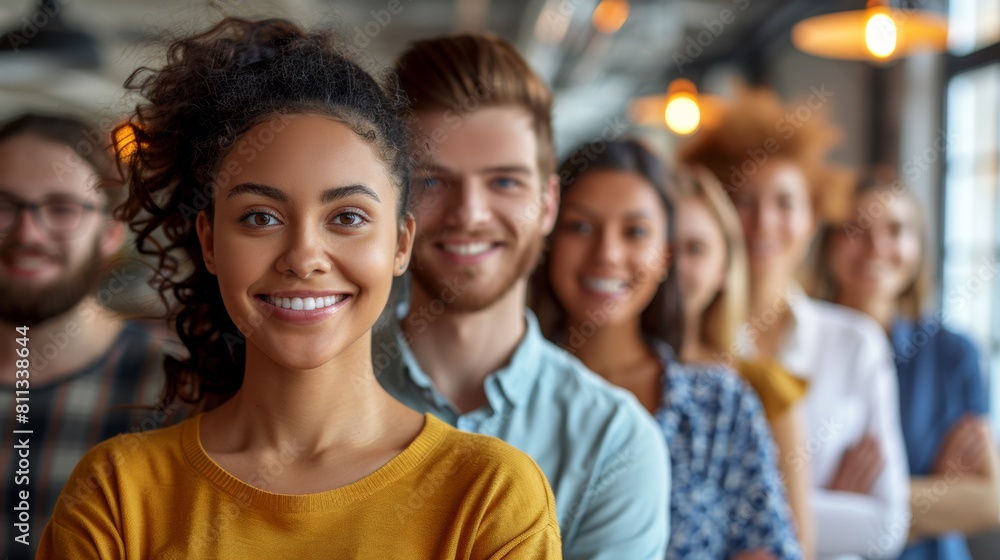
(776, 213)
(882, 260)
(44, 273)
(701, 255)
(609, 250)
(305, 239)
(480, 207)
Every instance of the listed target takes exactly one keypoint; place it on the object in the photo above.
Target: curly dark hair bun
(252, 53)
(214, 87)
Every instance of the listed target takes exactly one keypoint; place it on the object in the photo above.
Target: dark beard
(34, 305)
(468, 301)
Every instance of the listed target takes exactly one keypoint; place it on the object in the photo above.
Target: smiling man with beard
(87, 364)
(465, 348)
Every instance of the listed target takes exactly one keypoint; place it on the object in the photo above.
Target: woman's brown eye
(349, 219)
(261, 219)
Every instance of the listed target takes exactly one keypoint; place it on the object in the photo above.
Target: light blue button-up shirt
(603, 454)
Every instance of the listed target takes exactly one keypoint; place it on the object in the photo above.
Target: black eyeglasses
(58, 216)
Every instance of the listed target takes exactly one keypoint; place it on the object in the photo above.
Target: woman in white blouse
(775, 172)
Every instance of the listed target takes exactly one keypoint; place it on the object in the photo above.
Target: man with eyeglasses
(87, 365)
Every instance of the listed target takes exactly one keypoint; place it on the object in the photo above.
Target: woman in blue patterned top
(877, 263)
(606, 294)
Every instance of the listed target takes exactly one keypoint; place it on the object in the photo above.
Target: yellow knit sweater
(449, 494)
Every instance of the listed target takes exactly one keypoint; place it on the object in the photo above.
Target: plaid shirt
(71, 415)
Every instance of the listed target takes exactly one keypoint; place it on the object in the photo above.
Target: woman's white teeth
(31, 263)
(466, 249)
(604, 284)
(304, 304)
(874, 269)
(763, 248)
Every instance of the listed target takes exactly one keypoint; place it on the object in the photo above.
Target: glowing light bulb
(125, 142)
(880, 35)
(682, 114)
(610, 15)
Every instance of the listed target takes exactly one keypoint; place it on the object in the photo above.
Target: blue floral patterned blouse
(726, 495)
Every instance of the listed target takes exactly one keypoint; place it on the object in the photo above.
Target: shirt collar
(802, 312)
(408, 364)
(514, 380)
(902, 325)
(901, 329)
(518, 377)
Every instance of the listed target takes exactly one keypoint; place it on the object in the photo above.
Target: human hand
(859, 467)
(964, 448)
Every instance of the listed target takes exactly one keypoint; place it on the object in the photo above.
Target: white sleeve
(876, 525)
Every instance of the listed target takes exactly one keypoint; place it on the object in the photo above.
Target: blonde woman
(877, 263)
(783, 188)
(712, 271)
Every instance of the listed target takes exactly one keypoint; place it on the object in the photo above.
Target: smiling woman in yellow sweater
(278, 168)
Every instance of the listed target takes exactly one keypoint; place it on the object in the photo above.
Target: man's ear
(404, 244)
(203, 224)
(550, 204)
(112, 238)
